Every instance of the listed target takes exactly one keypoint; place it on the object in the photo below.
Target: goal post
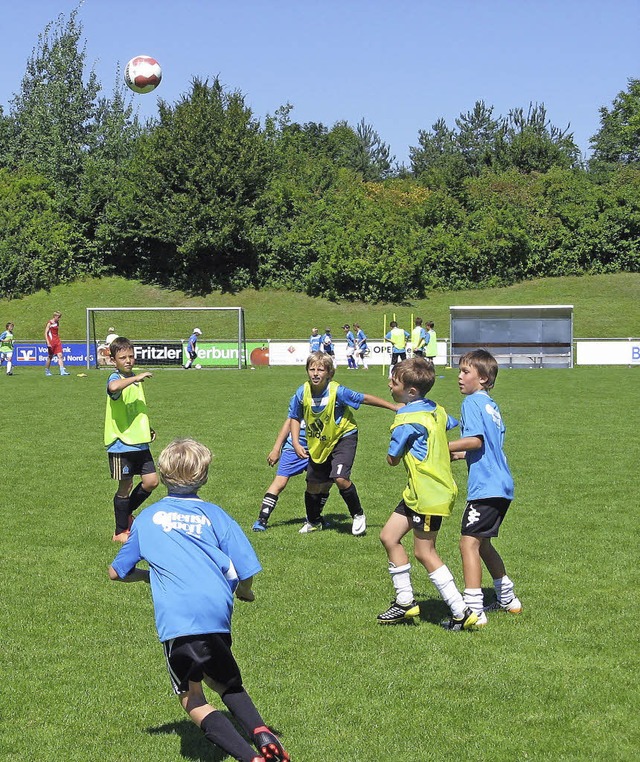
(160, 335)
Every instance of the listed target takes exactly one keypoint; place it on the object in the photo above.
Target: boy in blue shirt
(192, 348)
(489, 486)
(332, 438)
(351, 347)
(419, 441)
(327, 345)
(289, 464)
(315, 341)
(198, 557)
(362, 350)
(127, 434)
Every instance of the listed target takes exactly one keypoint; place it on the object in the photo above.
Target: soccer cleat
(48, 373)
(269, 745)
(359, 525)
(309, 527)
(64, 372)
(466, 622)
(513, 607)
(121, 537)
(399, 613)
(260, 526)
(9, 373)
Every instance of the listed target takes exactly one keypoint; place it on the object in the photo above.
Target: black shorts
(192, 355)
(397, 357)
(418, 352)
(337, 465)
(125, 465)
(482, 518)
(419, 520)
(192, 657)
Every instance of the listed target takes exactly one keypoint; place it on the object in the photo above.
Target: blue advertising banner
(36, 354)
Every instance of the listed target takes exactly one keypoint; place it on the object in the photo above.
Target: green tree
(617, 141)
(54, 112)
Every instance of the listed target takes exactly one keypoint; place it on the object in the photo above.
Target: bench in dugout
(527, 355)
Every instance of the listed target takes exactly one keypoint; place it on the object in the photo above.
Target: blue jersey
(327, 343)
(351, 339)
(193, 340)
(119, 445)
(361, 340)
(288, 443)
(413, 437)
(489, 474)
(344, 398)
(315, 343)
(196, 555)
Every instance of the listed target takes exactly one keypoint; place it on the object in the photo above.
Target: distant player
(327, 345)
(315, 341)
(111, 336)
(351, 347)
(431, 348)
(418, 338)
(398, 338)
(198, 558)
(54, 345)
(362, 350)
(489, 484)
(192, 348)
(6, 347)
(127, 435)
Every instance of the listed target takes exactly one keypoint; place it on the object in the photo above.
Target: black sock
(241, 706)
(121, 511)
(269, 502)
(219, 730)
(352, 500)
(313, 505)
(137, 497)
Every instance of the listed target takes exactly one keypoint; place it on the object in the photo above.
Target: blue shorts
(290, 464)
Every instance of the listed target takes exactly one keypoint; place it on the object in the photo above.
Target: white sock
(474, 599)
(9, 366)
(401, 578)
(446, 586)
(504, 590)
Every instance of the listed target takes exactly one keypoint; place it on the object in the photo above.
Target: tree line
(208, 197)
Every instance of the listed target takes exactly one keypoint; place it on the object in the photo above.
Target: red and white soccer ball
(143, 74)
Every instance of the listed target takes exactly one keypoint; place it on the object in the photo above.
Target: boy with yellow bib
(419, 441)
(332, 438)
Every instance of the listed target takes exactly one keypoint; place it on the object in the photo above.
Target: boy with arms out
(6, 347)
(332, 437)
(54, 345)
(198, 556)
(127, 435)
(489, 486)
(419, 441)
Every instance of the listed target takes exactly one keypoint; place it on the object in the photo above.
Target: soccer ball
(198, 367)
(142, 74)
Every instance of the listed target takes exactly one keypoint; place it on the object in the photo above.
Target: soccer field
(84, 676)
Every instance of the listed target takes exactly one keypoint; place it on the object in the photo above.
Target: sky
(398, 64)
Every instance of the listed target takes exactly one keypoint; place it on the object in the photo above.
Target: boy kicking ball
(198, 557)
(332, 438)
(419, 441)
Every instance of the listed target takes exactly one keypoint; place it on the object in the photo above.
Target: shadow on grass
(334, 522)
(193, 744)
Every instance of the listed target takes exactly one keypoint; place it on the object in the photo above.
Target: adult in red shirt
(54, 345)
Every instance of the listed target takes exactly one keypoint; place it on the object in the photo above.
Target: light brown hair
(416, 372)
(485, 363)
(183, 465)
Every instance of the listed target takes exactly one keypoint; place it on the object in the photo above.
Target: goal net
(160, 335)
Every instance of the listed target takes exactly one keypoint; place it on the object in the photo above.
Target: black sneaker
(399, 613)
(269, 745)
(465, 622)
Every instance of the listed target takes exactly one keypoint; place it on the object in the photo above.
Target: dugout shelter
(529, 336)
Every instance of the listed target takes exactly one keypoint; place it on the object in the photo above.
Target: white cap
(198, 331)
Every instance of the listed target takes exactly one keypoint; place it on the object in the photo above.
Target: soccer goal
(160, 335)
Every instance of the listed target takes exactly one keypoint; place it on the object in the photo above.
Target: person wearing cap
(111, 336)
(192, 348)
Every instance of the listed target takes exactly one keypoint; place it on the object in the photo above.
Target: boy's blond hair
(485, 363)
(416, 372)
(320, 358)
(183, 465)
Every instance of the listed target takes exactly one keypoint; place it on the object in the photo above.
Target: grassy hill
(606, 306)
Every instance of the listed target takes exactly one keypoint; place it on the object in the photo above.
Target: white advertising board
(296, 352)
(608, 352)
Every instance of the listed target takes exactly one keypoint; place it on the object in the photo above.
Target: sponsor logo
(473, 516)
(185, 522)
(27, 354)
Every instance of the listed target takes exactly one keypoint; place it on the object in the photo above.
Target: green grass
(606, 306)
(83, 674)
